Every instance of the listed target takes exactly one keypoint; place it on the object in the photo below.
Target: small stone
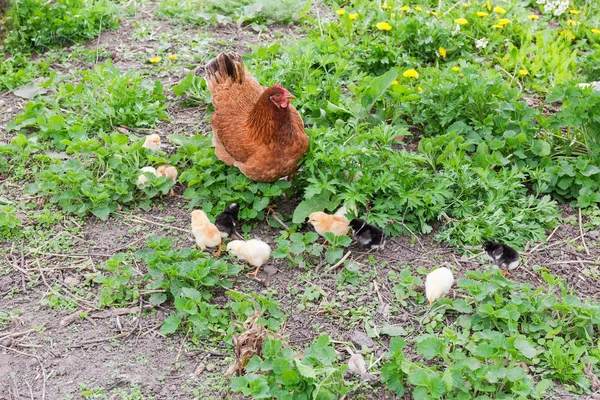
(270, 270)
(594, 234)
(369, 378)
(21, 216)
(360, 339)
(200, 369)
(357, 364)
(71, 281)
(384, 310)
(350, 289)
(210, 367)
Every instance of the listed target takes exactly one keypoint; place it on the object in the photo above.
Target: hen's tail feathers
(225, 66)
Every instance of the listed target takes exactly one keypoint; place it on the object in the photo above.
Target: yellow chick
(169, 171)
(438, 283)
(142, 178)
(205, 232)
(337, 224)
(255, 252)
(152, 142)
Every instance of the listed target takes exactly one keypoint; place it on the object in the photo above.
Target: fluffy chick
(505, 257)
(337, 224)
(367, 236)
(152, 142)
(438, 283)
(205, 233)
(143, 178)
(227, 221)
(255, 252)
(168, 171)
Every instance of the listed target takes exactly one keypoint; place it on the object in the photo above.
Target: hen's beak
(290, 96)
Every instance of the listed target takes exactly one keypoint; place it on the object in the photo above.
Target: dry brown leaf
(247, 344)
(199, 369)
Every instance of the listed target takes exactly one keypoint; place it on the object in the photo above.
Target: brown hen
(256, 129)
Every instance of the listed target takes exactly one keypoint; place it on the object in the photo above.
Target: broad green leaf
(376, 88)
(418, 377)
(305, 370)
(525, 347)
(157, 298)
(540, 148)
(170, 324)
(392, 330)
(306, 207)
(430, 348)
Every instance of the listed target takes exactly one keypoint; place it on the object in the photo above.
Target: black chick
(227, 221)
(367, 236)
(505, 257)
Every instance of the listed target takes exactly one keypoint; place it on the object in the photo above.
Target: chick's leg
(505, 273)
(255, 273)
(220, 248)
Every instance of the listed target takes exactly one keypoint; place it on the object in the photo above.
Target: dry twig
(587, 251)
(337, 264)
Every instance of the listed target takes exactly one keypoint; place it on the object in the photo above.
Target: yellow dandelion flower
(405, 8)
(498, 26)
(392, 15)
(461, 76)
(173, 57)
(442, 52)
(488, 6)
(499, 10)
(417, 8)
(154, 60)
(571, 22)
(461, 21)
(340, 12)
(523, 72)
(566, 33)
(533, 17)
(353, 16)
(410, 73)
(394, 82)
(431, 12)
(504, 22)
(596, 31)
(385, 7)
(419, 89)
(482, 14)
(574, 12)
(455, 69)
(465, 5)
(383, 26)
